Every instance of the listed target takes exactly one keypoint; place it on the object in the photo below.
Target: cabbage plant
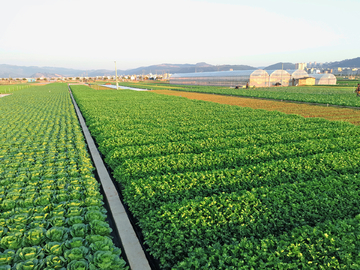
(78, 265)
(35, 236)
(29, 253)
(54, 248)
(57, 234)
(106, 260)
(7, 257)
(76, 253)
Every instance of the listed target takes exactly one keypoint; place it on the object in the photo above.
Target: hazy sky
(89, 34)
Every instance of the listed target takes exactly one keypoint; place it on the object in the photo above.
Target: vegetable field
(224, 187)
(52, 214)
(336, 95)
(6, 89)
(306, 110)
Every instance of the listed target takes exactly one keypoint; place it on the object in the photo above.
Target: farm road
(305, 110)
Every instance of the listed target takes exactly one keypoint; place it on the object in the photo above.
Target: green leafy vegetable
(75, 242)
(100, 227)
(54, 248)
(78, 265)
(35, 236)
(79, 230)
(29, 253)
(12, 240)
(106, 260)
(57, 234)
(7, 257)
(76, 253)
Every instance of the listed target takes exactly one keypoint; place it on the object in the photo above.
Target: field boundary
(133, 250)
(270, 99)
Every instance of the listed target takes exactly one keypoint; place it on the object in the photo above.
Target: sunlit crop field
(214, 186)
(52, 214)
(330, 113)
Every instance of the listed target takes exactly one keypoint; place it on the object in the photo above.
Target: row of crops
(10, 88)
(335, 95)
(224, 187)
(52, 214)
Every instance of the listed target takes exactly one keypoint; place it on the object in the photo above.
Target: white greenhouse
(324, 78)
(236, 78)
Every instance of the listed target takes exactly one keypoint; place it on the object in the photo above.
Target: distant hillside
(35, 72)
(45, 75)
(280, 66)
(184, 68)
(32, 71)
(355, 62)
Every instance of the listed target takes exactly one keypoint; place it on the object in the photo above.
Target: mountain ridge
(31, 71)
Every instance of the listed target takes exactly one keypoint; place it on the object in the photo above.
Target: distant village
(310, 68)
(316, 68)
(150, 76)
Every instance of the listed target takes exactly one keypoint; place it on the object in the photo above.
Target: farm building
(305, 81)
(258, 78)
(278, 77)
(324, 78)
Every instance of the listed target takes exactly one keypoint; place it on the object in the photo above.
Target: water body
(125, 87)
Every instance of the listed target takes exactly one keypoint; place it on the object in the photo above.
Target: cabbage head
(12, 240)
(57, 234)
(35, 236)
(29, 253)
(75, 242)
(78, 265)
(32, 264)
(7, 257)
(77, 253)
(106, 260)
(54, 248)
(100, 227)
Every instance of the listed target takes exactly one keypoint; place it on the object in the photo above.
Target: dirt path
(330, 113)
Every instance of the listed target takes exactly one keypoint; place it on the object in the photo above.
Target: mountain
(35, 72)
(355, 62)
(184, 68)
(280, 66)
(45, 75)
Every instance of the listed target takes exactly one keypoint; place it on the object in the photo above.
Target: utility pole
(117, 85)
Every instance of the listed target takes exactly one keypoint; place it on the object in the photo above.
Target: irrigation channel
(134, 253)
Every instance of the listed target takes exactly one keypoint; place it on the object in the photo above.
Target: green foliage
(48, 193)
(78, 265)
(106, 260)
(224, 187)
(342, 94)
